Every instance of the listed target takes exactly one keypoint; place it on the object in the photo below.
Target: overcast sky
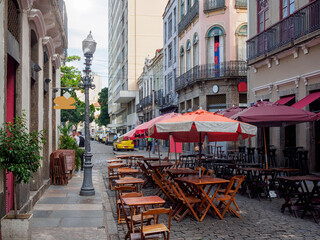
(85, 16)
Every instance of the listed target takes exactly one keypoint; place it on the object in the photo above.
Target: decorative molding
(269, 63)
(305, 49)
(276, 60)
(296, 52)
(47, 41)
(25, 4)
(267, 86)
(306, 76)
(36, 16)
(57, 60)
(294, 80)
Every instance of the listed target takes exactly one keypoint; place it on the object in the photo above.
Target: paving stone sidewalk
(61, 213)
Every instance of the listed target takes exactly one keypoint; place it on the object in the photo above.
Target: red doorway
(11, 71)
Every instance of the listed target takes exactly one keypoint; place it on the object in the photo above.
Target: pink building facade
(212, 53)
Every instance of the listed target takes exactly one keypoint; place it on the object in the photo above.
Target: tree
(103, 118)
(71, 77)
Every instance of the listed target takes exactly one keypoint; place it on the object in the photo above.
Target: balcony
(213, 5)
(230, 69)
(300, 26)
(158, 98)
(125, 96)
(241, 4)
(189, 17)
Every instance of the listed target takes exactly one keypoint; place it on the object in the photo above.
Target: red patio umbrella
(268, 114)
(230, 111)
(195, 126)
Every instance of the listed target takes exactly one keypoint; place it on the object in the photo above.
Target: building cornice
(47, 41)
(36, 16)
(294, 80)
(306, 76)
(267, 86)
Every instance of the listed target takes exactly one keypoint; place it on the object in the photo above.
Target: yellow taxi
(121, 144)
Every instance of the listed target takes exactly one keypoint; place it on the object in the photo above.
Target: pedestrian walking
(75, 137)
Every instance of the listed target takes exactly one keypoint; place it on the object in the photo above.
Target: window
(241, 42)
(174, 20)
(165, 59)
(169, 54)
(188, 48)
(182, 8)
(215, 46)
(188, 5)
(263, 14)
(174, 49)
(195, 50)
(165, 32)
(181, 60)
(287, 7)
(169, 26)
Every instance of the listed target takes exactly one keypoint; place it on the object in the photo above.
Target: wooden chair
(228, 197)
(187, 200)
(136, 219)
(157, 228)
(146, 173)
(203, 169)
(210, 172)
(119, 190)
(161, 186)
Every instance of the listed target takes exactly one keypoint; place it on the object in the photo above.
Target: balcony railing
(212, 5)
(241, 4)
(188, 18)
(171, 99)
(301, 23)
(211, 71)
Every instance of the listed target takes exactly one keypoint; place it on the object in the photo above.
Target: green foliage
(20, 149)
(103, 118)
(67, 142)
(71, 77)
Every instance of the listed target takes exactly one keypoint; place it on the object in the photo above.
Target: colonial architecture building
(150, 85)
(283, 54)
(33, 39)
(170, 59)
(135, 31)
(212, 67)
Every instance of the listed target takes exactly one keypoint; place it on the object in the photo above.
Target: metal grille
(13, 19)
(216, 101)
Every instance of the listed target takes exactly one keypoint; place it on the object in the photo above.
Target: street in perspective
(159, 119)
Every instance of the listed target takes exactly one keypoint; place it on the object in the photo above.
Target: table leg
(210, 200)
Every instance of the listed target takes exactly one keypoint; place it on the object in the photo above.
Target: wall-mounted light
(36, 68)
(46, 85)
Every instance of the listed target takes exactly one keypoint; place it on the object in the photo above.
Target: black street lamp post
(88, 47)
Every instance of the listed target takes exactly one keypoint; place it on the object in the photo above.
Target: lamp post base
(87, 188)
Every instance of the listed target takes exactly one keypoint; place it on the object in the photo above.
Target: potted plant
(19, 154)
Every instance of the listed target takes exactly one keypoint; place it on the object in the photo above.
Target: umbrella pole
(214, 150)
(175, 150)
(265, 145)
(169, 147)
(200, 148)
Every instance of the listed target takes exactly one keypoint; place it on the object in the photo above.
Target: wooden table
(296, 188)
(200, 185)
(136, 181)
(141, 201)
(129, 156)
(180, 172)
(158, 168)
(151, 159)
(114, 161)
(111, 172)
(128, 171)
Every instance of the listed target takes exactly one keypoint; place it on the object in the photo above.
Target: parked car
(121, 144)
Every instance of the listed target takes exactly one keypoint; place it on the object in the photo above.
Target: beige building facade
(135, 31)
(283, 56)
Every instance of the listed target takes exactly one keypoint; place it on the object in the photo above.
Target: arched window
(195, 49)
(242, 34)
(181, 60)
(188, 57)
(215, 47)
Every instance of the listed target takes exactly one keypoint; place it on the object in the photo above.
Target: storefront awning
(307, 100)
(284, 100)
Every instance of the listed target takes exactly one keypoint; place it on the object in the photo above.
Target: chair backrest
(165, 159)
(125, 214)
(142, 167)
(132, 194)
(237, 183)
(119, 190)
(156, 212)
(203, 169)
(210, 172)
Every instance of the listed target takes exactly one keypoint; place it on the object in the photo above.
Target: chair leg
(236, 205)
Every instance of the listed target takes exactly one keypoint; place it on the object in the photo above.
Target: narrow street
(62, 214)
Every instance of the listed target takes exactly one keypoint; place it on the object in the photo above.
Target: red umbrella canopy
(269, 114)
(130, 135)
(230, 111)
(194, 126)
(141, 129)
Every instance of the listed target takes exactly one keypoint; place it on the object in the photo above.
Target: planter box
(16, 228)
